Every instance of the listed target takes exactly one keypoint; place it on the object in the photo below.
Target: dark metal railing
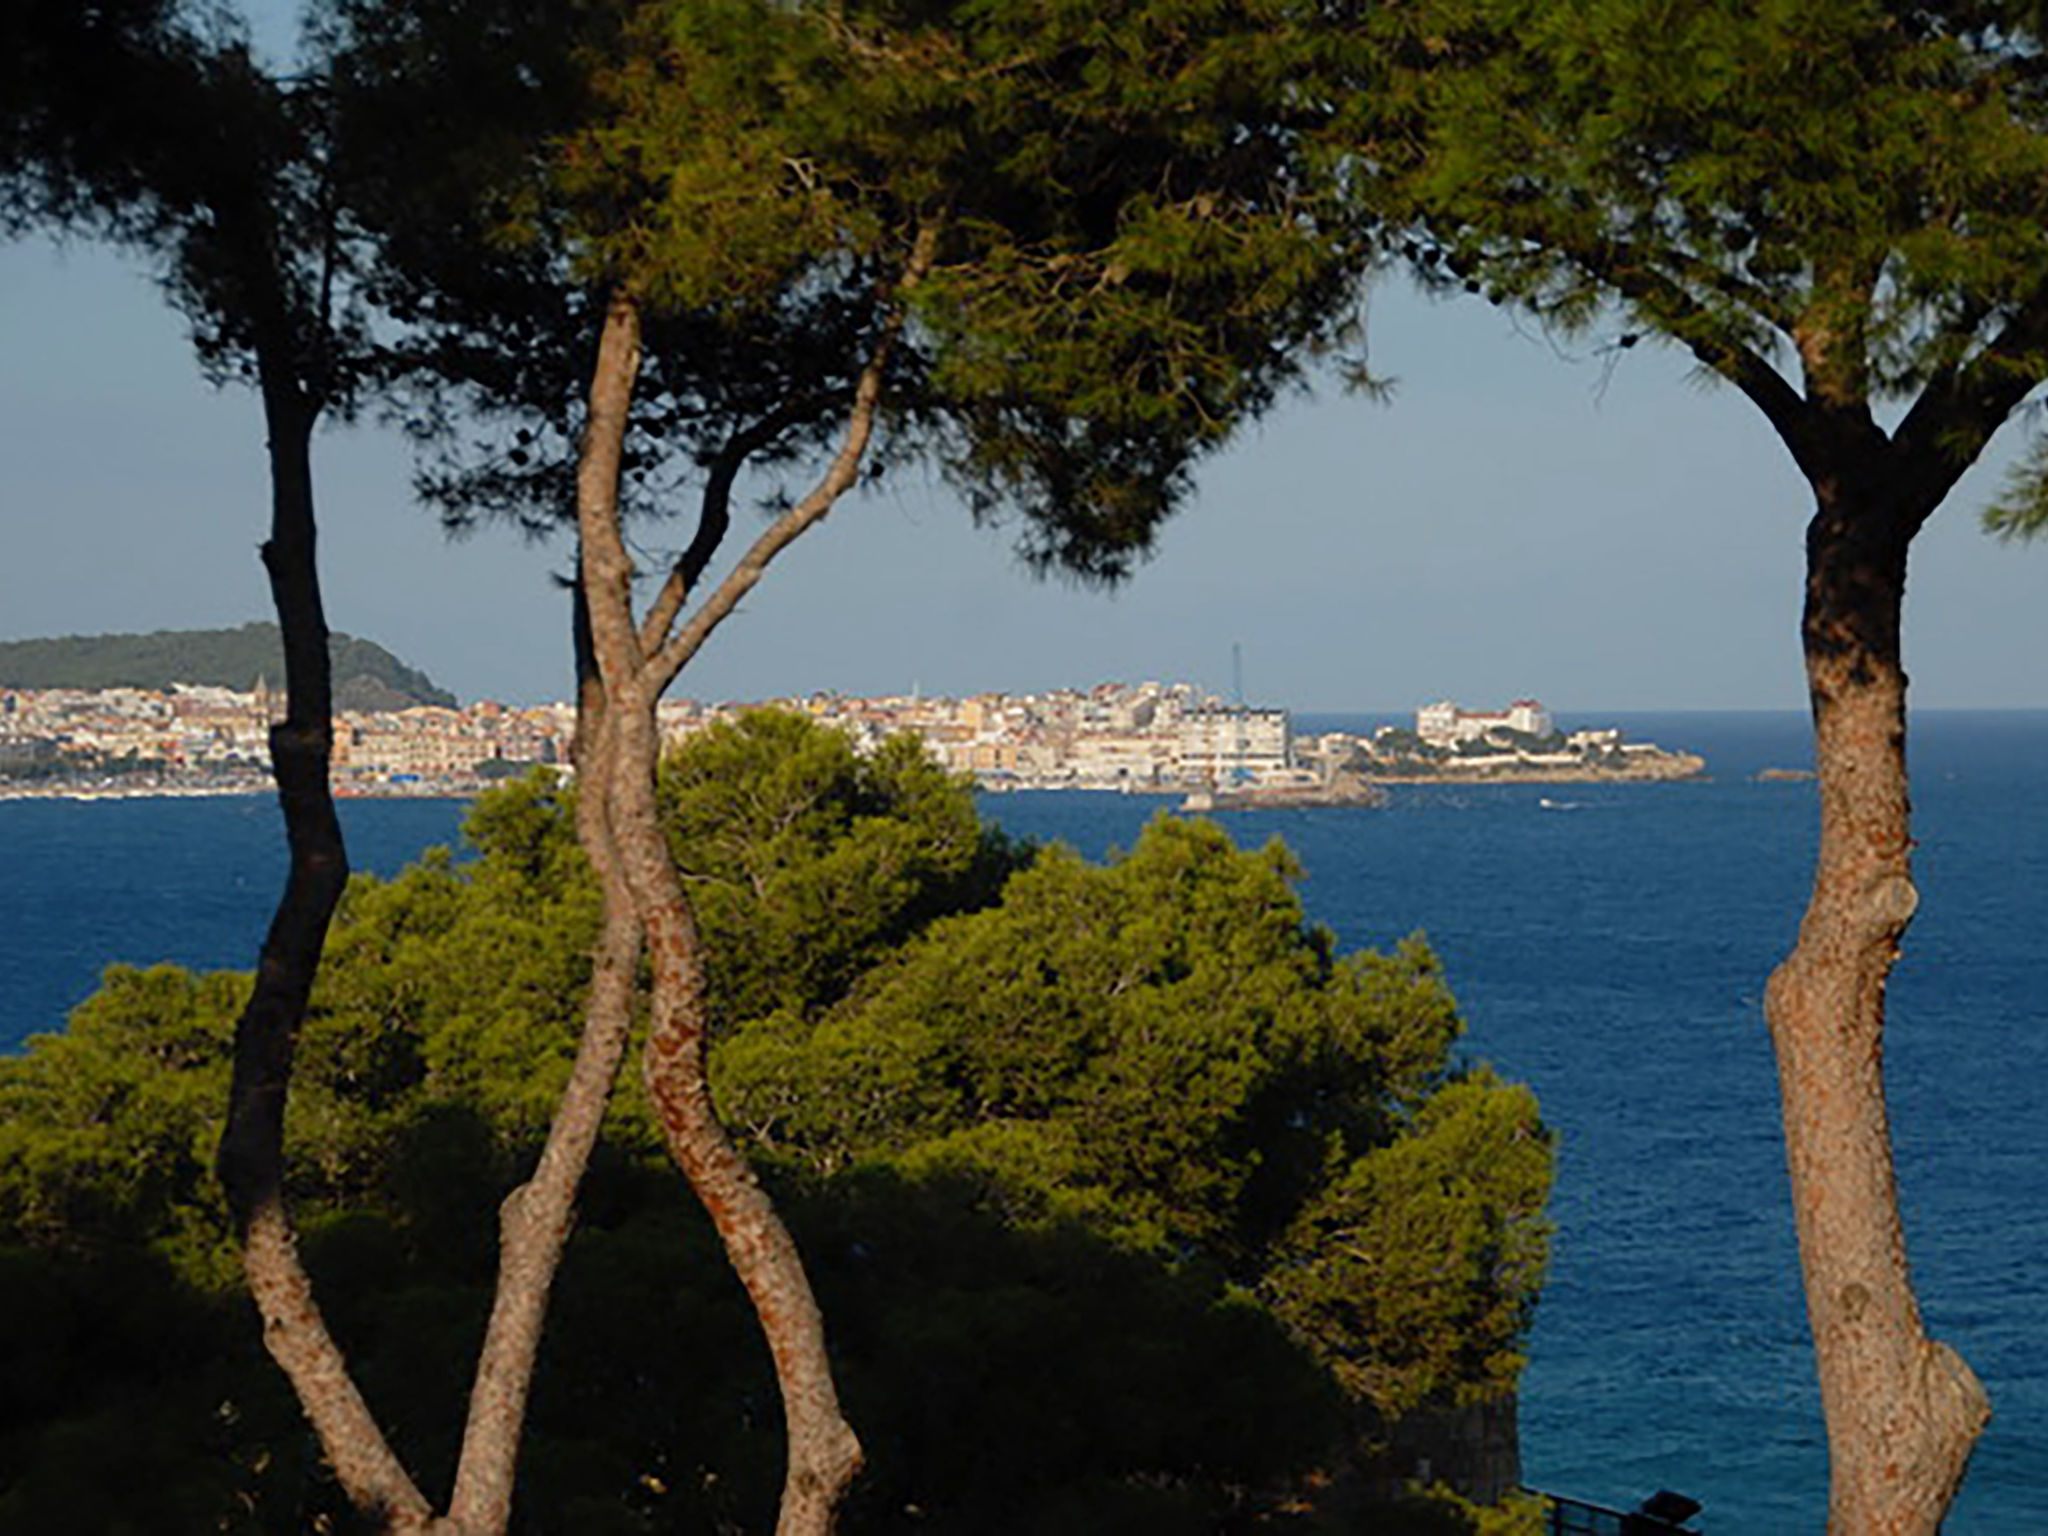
(1664, 1513)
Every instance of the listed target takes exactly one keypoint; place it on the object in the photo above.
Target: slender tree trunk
(1902, 1410)
(536, 1218)
(823, 1455)
(251, 1160)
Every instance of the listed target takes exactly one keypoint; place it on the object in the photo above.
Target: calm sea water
(1609, 945)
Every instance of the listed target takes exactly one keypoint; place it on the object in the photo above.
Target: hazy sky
(1595, 529)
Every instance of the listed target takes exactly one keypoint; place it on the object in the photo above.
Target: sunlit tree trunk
(1902, 1410)
(535, 1220)
(823, 1454)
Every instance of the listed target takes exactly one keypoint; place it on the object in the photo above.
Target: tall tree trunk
(536, 1218)
(1902, 1410)
(251, 1159)
(823, 1454)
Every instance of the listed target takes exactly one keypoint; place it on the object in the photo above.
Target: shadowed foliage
(1120, 1313)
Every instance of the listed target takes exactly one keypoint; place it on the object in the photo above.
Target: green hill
(366, 676)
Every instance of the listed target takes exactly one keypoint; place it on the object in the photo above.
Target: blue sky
(1525, 517)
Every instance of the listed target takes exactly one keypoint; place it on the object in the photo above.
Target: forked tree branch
(839, 477)
(1679, 314)
(1962, 407)
(714, 514)
(823, 1453)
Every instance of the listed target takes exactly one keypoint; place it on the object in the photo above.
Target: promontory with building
(1520, 744)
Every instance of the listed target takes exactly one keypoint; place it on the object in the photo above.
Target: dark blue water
(86, 884)
(1609, 945)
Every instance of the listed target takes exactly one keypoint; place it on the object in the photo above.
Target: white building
(1130, 760)
(1226, 745)
(1443, 724)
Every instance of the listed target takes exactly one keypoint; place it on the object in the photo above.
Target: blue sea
(1609, 945)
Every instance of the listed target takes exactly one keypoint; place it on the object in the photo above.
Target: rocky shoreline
(1277, 797)
(1643, 768)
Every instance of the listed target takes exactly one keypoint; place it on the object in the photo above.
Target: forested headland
(367, 677)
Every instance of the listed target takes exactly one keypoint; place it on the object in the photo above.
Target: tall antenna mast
(1238, 771)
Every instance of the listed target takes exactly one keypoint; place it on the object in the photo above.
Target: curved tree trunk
(535, 1220)
(823, 1453)
(822, 1450)
(251, 1159)
(1902, 1410)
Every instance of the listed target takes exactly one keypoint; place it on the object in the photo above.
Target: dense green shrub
(1133, 1205)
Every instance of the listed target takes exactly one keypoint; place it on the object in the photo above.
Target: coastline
(266, 787)
(14, 792)
(1366, 790)
(1350, 794)
(1667, 768)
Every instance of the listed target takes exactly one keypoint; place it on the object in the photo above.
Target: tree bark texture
(535, 1220)
(251, 1158)
(537, 1217)
(1902, 1410)
(823, 1453)
(822, 1450)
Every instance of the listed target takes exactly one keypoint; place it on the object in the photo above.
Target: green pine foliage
(1414, 1270)
(1133, 1204)
(1871, 174)
(107, 1129)
(1129, 259)
(807, 863)
(1163, 1050)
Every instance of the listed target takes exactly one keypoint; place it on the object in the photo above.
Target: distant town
(1144, 738)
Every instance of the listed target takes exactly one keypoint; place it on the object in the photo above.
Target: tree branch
(1686, 319)
(1962, 407)
(714, 514)
(839, 477)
